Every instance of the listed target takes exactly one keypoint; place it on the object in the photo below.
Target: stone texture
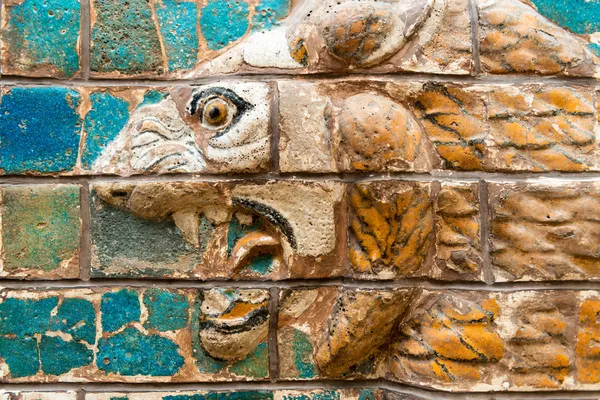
(41, 38)
(201, 230)
(332, 332)
(40, 231)
(135, 130)
(458, 232)
(515, 38)
(315, 394)
(133, 335)
(519, 341)
(431, 36)
(348, 126)
(408, 229)
(371, 126)
(544, 232)
(220, 127)
(501, 128)
(21, 395)
(169, 39)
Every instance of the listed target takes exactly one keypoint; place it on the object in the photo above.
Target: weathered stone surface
(168, 39)
(545, 232)
(41, 38)
(449, 338)
(321, 36)
(349, 126)
(306, 137)
(337, 333)
(407, 229)
(371, 126)
(501, 128)
(222, 127)
(515, 38)
(40, 231)
(133, 335)
(390, 229)
(315, 394)
(200, 230)
(21, 395)
(458, 232)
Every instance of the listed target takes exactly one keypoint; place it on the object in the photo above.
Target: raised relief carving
(318, 36)
(391, 229)
(204, 230)
(377, 133)
(232, 326)
(453, 119)
(542, 129)
(348, 126)
(515, 38)
(458, 247)
(538, 354)
(361, 323)
(332, 332)
(588, 336)
(357, 34)
(501, 128)
(221, 127)
(545, 232)
(448, 338)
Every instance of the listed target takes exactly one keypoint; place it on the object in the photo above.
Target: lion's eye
(217, 108)
(216, 113)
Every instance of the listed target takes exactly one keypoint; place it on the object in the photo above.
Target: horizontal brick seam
(396, 77)
(289, 385)
(298, 283)
(437, 175)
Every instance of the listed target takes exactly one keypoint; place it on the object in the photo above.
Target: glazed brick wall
(299, 199)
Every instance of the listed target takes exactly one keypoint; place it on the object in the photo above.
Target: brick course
(299, 200)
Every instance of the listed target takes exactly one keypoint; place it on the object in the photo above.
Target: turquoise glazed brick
(177, 22)
(124, 39)
(40, 231)
(268, 13)
(39, 130)
(103, 122)
(132, 335)
(224, 22)
(578, 16)
(169, 38)
(41, 38)
(30, 335)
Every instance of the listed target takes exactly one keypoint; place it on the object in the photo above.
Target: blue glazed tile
(39, 130)
(41, 38)
(124, 39)
(224, 22)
